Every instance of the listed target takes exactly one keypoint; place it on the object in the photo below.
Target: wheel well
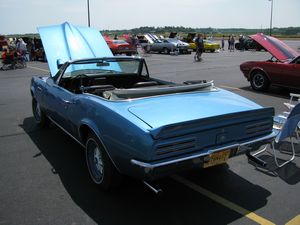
(84, 131)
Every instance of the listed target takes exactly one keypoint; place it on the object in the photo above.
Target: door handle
(39, 88)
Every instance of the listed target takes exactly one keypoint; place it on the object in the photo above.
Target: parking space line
(228, 87)
(294, 221)
(250, 215)
(37, 68)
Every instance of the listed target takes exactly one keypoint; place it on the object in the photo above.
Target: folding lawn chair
(287, 127)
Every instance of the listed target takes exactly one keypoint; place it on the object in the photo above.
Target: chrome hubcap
(98, 161)
(258, 80)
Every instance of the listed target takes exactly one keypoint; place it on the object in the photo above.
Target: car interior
(116, 87)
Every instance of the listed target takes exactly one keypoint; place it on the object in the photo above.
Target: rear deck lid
(275, 47)
(178, 108)
(66, 42)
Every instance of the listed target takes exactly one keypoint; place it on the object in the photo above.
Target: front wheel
(40, 117)
(259, 81)
(166, 51)
(101, 169)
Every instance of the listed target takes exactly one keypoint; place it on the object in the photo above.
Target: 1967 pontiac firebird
(132, 124)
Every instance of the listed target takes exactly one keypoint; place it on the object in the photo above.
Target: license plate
(217, 158)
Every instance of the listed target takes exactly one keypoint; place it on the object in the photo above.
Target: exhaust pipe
(156, 191)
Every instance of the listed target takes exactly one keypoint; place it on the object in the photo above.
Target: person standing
(21, 47)
(223, 42)
(232, 43)
(229, 42)
(199, 47)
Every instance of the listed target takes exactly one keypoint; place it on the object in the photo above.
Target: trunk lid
(178, 108)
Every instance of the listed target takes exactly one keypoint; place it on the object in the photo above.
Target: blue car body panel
(141, 134)
(190, 107)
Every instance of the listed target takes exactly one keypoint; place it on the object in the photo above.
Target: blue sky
(23, 16)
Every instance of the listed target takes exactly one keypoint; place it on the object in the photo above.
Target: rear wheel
(259, 81)
(40, 117)
(101, 169)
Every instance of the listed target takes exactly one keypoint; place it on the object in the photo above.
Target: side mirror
(59, 63)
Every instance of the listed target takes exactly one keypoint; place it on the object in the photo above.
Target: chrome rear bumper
(196, 158)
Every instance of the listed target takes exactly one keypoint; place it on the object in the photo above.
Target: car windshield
(98, 67)
(173, 40)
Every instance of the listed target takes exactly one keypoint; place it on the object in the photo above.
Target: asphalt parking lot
(44, 180)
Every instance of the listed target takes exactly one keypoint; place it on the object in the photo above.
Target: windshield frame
(142, 64)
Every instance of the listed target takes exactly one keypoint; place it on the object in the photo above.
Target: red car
(283, 69)
(120, 46)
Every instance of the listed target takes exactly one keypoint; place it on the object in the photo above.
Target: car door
(292, 74)
(61, 106)
(286, 74)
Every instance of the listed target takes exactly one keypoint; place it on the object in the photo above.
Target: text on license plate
(217, 158)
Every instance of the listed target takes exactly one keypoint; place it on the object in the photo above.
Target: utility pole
(88, 8)
(271, 17)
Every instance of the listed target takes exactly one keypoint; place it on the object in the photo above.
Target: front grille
(179, 145)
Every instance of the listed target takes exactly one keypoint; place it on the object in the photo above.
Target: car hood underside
(275, 47)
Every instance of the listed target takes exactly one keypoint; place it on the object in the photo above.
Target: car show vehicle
(169, 45)
(249, 44)
(120, 47)
(130, 123)
(209, 46)
(283, 69)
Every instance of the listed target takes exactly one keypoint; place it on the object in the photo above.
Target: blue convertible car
(135, 125)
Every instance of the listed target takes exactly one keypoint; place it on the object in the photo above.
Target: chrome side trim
(151, 166)
(66, 132)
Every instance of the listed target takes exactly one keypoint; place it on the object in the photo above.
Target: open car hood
(172, 34)
(190, 37)
(275, 47)
(66, 42)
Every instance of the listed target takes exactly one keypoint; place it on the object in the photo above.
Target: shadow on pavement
(132, 203)
(290, 173)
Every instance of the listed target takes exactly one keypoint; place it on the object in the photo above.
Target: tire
(212, 50)
(101, 169)
(259, 81)
(166, 51)
(40, 117)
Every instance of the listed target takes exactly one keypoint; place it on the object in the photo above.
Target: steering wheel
(80, 77)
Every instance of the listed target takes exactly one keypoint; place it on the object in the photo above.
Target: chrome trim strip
(154, 165)
(66, 132)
